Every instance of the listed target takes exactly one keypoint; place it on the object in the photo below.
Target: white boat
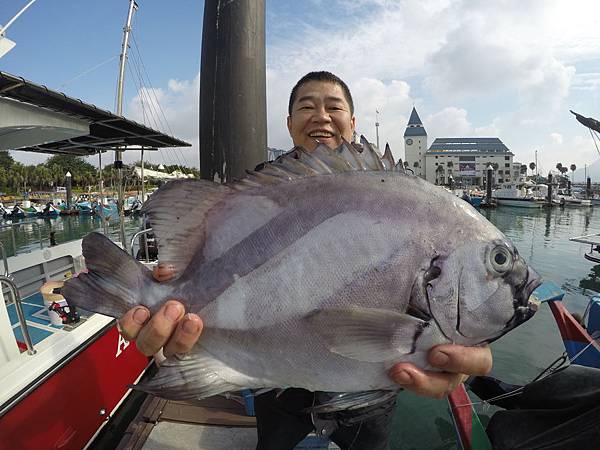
(524, 196)
(565, 199)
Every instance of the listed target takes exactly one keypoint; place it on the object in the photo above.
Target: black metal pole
(588, 188)
(488, 184)
(69, 194)
(233, 111)
(549, 189)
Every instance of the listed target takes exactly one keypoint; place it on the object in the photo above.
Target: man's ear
(289, 124)
(353, 123)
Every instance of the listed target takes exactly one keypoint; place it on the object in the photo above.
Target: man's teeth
(321, 134)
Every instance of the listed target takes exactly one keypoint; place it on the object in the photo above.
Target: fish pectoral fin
(188, 377)
(367, 334)
(344, 401)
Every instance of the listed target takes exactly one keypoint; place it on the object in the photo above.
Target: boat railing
(14, 292)
(141, 235)
(4, 259)
(12, 227)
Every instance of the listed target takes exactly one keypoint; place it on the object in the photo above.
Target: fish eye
(501, 259)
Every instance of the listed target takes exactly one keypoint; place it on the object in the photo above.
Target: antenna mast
(119, 153)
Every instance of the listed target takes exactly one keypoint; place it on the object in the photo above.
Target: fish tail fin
(113, 281)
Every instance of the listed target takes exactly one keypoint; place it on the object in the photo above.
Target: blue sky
(508, 68)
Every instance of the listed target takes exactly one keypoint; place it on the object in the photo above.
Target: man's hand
(170, 328)
(457, 362)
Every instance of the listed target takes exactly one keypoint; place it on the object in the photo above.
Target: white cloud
(556, 138)
(448, 122)
(476, 68)
(173, 111)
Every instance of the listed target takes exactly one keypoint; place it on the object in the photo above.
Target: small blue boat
(84, 207)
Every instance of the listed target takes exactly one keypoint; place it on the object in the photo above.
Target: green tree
(6, 161)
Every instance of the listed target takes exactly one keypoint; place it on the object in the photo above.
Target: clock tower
(415, 144)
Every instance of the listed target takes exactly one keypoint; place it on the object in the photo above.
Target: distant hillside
(593, 171)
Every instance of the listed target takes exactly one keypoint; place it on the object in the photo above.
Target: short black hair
(321, 76)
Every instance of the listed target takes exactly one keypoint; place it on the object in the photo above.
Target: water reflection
(24, 235)
(592, 281)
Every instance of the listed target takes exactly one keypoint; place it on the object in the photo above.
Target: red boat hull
(68, 407)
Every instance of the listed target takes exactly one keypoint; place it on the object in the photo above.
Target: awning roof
(107, 131)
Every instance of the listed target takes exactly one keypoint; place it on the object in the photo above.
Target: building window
(506, 165)
(507, 172)
(436, 157)
(436, 163)
(500, 180)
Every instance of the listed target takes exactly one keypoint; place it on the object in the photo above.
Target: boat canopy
(34, 118)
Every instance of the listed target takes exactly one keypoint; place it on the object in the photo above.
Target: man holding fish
(320, 111)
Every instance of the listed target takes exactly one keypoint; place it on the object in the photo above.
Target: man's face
(320, 113)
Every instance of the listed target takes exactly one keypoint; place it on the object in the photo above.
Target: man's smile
(321, 134)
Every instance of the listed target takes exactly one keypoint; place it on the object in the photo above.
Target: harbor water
(540, 235)
(542, 238)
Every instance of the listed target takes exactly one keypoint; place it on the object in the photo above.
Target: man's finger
(132, 322)
(163, 272)
(186, 335)
(429, 384)
(156, 333)
(454, 358)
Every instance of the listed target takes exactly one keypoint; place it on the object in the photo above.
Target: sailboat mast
(118, 153)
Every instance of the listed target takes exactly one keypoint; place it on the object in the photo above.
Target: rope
(547, 371)
(91, 69)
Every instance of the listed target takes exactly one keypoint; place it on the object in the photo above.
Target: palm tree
(532, 167)
(559, 167)
(573, 169)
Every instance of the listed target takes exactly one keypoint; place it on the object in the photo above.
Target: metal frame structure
(107, 130)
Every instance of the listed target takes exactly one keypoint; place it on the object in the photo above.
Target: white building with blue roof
(465, 159)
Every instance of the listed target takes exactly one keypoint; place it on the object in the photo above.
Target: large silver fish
(320, 271)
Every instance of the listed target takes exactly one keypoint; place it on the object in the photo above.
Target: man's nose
(321, 115)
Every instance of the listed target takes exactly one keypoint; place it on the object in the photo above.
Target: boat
(580, 339)
(523, 196)
(50, 211)
(108, 209)
(67, 371)
(84, 207)
(593, 240)
(133, 206)
(564, 198)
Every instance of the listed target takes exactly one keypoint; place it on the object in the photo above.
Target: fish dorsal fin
(177, 213)
(301, 163)
(388, 158)
(371, 155)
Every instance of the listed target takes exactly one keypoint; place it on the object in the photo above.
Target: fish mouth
(525, 306)
(524, 291)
